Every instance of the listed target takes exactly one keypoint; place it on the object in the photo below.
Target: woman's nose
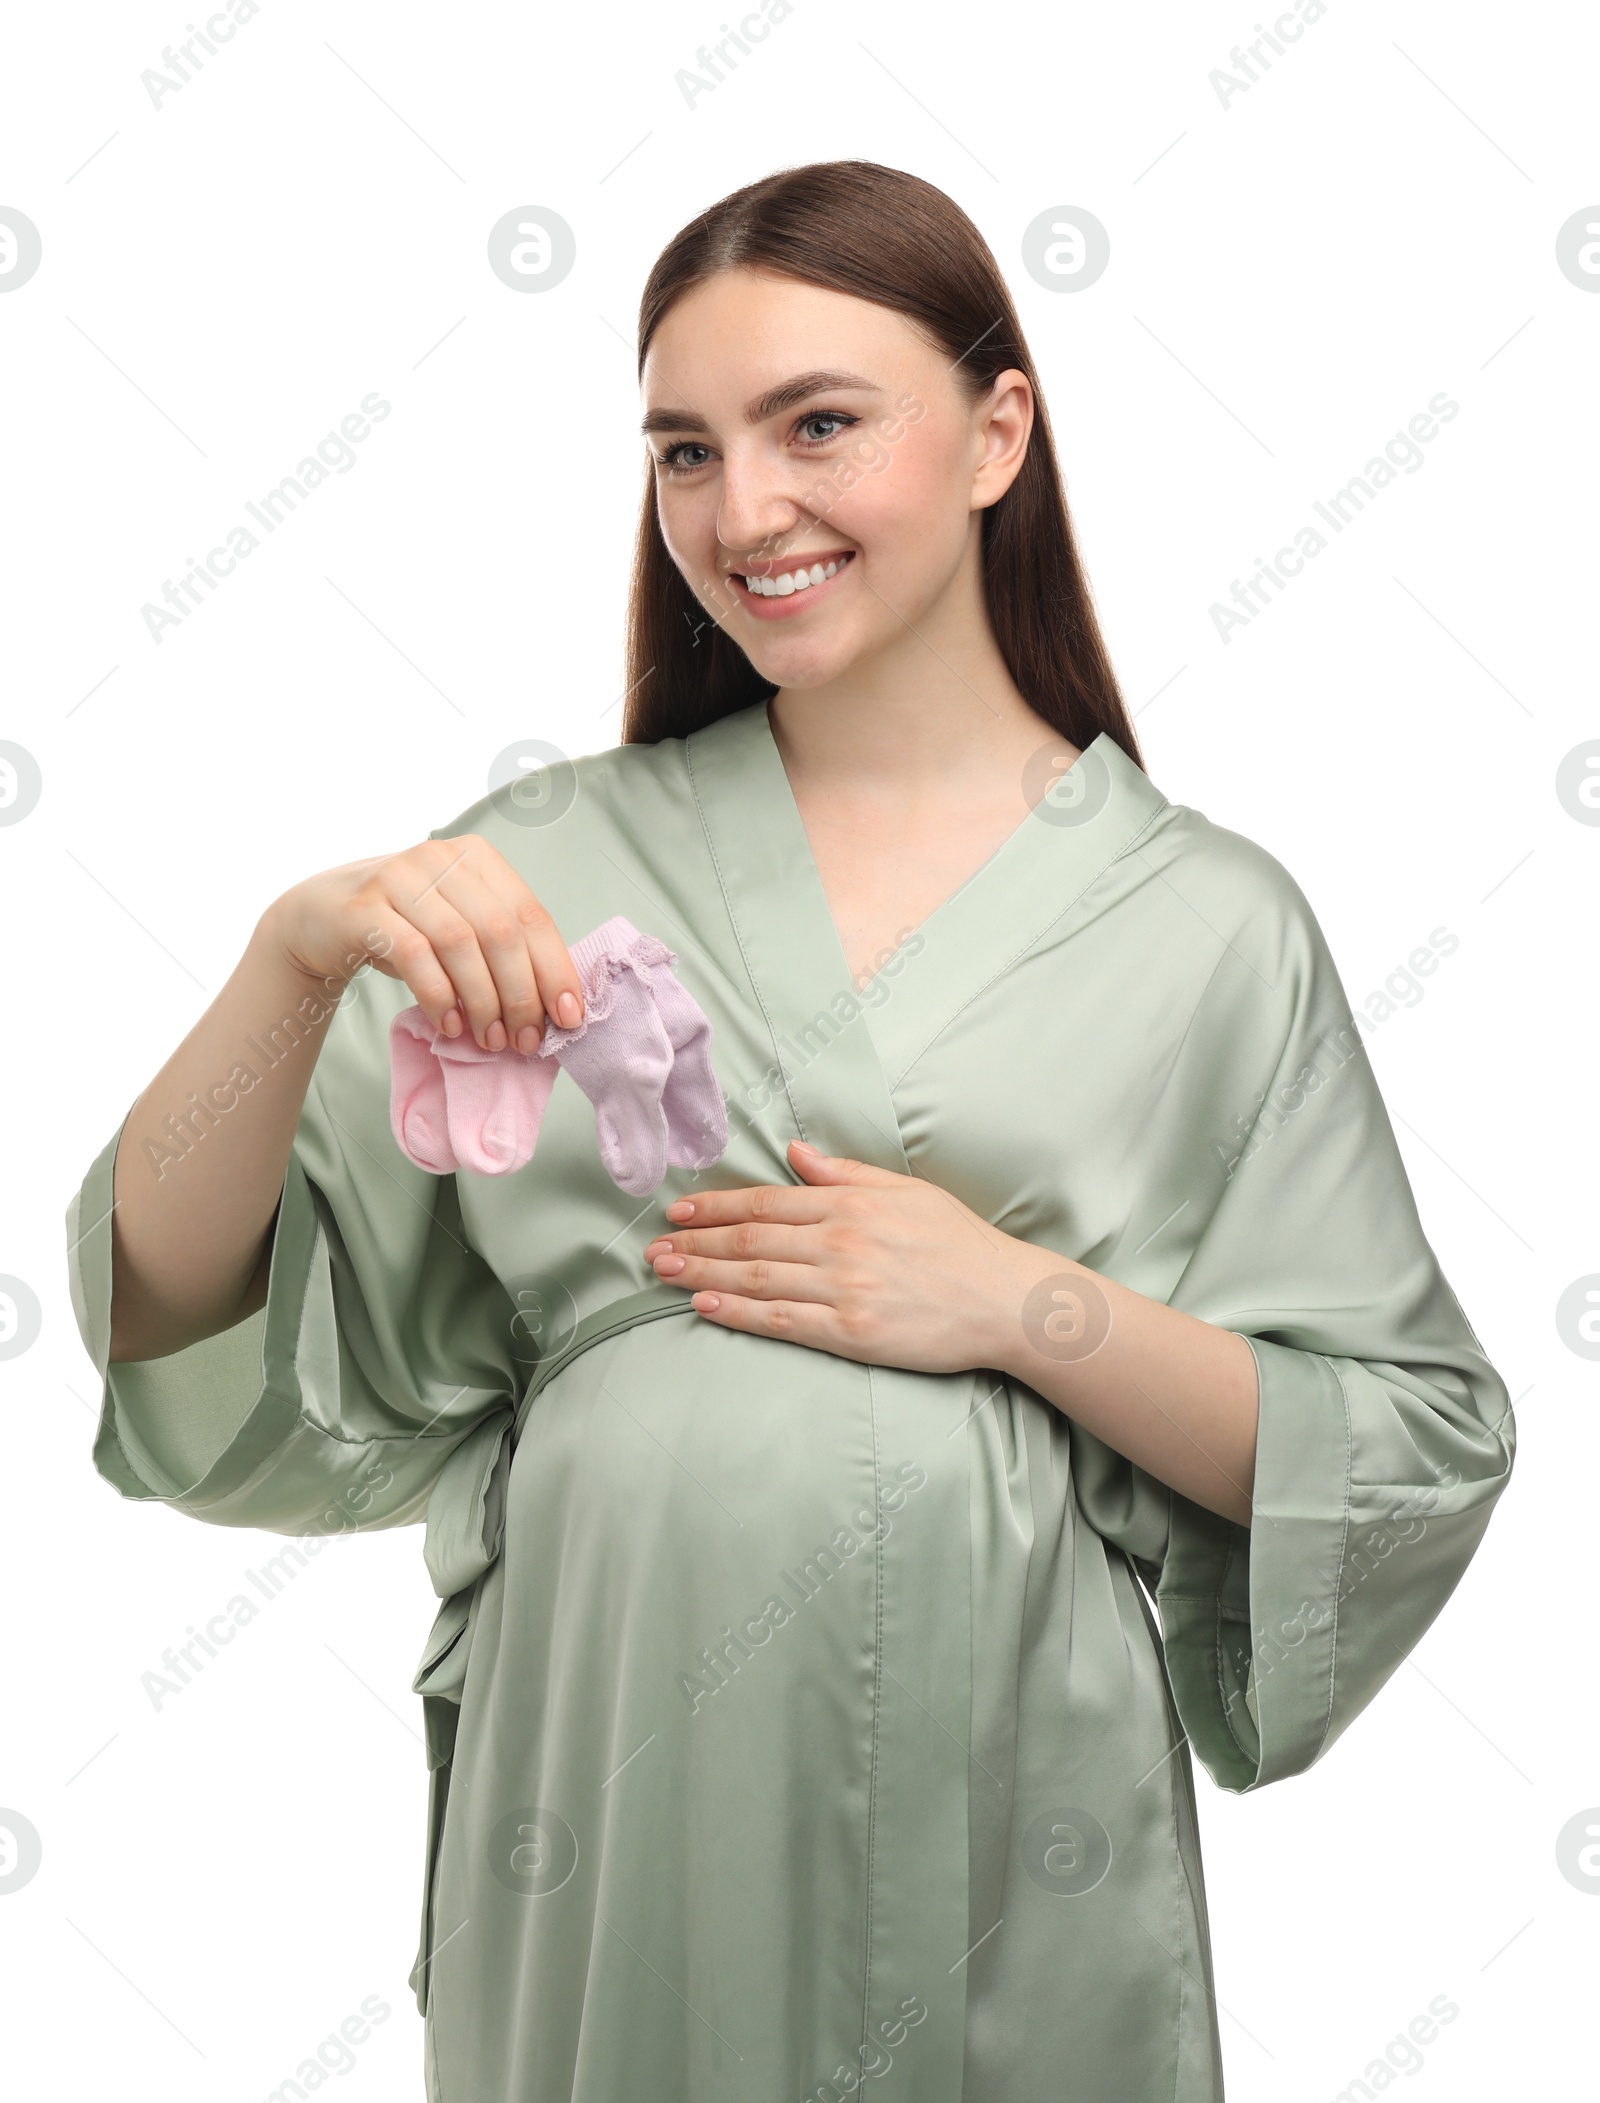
(759, 506)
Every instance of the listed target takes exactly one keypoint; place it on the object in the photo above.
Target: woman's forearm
(201, 1160)
(1176, 1395)
(203, 1153)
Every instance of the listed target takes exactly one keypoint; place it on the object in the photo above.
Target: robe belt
(467, 1508)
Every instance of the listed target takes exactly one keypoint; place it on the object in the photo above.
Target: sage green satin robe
(798, 1724)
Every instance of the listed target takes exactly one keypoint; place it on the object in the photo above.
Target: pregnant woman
(842, 1546)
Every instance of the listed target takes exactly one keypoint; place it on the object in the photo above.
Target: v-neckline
(994, 855)
(840, 1090)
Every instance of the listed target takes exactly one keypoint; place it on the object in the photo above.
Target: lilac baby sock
(697, 1117)
(494, 1103)
(620, 1054)
(416, 1094)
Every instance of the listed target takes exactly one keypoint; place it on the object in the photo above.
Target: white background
(1292, 278)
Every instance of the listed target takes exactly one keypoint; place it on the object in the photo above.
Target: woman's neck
(911, 730)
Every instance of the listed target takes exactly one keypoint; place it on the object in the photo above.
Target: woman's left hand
(891, 1270)
(885, 1269)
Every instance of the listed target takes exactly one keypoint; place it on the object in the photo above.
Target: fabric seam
(1344, 1540)
(877, 1704)
(1252, 1759)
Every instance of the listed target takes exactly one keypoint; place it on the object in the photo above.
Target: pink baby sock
(620, 1054)
(416, 1094)
(494, 1102)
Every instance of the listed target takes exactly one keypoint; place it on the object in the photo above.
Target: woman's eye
(833, 420)
(673, 458)
(689, 455)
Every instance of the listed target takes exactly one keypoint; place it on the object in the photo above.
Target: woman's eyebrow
(784, 396)
(788, 392)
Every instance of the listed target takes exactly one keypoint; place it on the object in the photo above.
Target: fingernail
(527, 1038)
(704, 1302)
(668, 1266)
(568, 1012)
(660, 1242)
(804, 1146)
(681, 1209)
(452, 1023)
(495, 1036)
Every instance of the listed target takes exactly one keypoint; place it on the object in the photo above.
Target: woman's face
(799, 432)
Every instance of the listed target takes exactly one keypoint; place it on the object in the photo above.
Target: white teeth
(791, 581)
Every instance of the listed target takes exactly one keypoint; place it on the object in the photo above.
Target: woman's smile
(774, 594)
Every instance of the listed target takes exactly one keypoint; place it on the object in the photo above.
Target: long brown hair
(888, 237)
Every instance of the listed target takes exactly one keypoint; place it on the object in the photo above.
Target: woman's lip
(773, 608)
(776, 565)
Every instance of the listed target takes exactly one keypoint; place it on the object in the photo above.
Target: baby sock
(416, 1094)
(620, 1054)
(494, 1102)
(697, 1117)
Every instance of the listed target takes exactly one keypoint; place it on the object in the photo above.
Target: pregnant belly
(677, 1745)
(700, 1492)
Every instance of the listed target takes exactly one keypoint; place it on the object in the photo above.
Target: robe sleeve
(385, 1342)
(1385, 1436)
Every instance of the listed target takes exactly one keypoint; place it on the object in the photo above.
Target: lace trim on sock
(601, 975)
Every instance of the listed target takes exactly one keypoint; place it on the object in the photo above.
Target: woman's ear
(1004, 420)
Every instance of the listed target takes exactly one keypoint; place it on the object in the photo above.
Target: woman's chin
(802, 663)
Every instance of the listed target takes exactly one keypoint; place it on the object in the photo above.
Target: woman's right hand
(454, 921)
